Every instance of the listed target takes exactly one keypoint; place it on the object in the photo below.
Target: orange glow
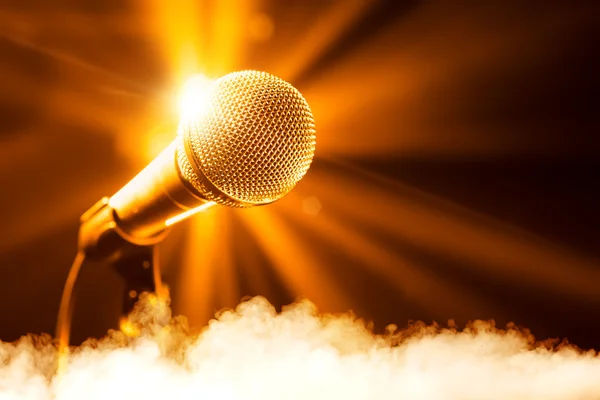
(433, 82)
(128, 328)
(188, 213)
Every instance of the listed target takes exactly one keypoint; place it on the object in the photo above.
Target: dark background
(456, 173)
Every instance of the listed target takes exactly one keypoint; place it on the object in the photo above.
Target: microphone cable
(65, 311)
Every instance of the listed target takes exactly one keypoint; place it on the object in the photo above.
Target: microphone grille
(251, 143)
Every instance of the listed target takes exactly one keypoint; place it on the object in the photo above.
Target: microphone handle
(155, 195)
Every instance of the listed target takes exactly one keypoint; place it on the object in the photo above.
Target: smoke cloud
(253, 352)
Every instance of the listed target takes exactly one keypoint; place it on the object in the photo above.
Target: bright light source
(192, 97)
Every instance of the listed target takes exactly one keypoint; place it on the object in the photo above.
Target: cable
(65, 311)
(161, 290)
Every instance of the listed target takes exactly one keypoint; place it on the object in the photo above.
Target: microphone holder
(140, 271)
(134, 259)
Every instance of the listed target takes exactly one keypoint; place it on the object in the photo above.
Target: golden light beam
(31, 23)
(454, 231)
(196, 287)
(19, 229)
(180, 28)
(66, 102)
(252, 267)
(132, 87)
(229, 31)
(296, 267)
(415, 100)
(427, 289)
(226, 279)
(322, 33)
(89, 95)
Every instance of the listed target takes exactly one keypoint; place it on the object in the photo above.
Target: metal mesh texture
(253, 141)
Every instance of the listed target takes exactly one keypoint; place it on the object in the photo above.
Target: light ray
(226, 280)
(18, 232)
(250, 263)
(229, 29)
(429, 290)
(322, 33)
(448, 229)
(71, 60)
(296, 267)
(32, 22)
(418, 99)
(196, 290)
(180, 29)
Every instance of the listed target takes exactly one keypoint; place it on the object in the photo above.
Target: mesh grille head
(251, 143)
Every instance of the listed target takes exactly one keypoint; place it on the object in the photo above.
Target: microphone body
(157, 194)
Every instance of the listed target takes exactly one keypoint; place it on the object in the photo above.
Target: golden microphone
(248, 143)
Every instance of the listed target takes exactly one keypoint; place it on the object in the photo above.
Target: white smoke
(254, 352)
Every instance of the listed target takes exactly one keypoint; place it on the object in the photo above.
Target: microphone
(249, 141)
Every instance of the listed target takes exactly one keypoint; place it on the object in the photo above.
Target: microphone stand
(134, 259)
